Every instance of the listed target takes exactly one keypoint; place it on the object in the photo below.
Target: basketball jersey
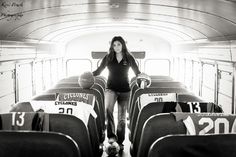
(196, 107)
(207, 123)
(25, 121)
(82, 108)
(191, 107)
(145, 99)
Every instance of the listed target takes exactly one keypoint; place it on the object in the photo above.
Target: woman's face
(117, 46)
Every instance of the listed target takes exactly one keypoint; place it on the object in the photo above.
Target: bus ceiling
(64, 20)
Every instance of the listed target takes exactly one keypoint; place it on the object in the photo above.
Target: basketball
(86, 80)
(112, 149)
(143, 80)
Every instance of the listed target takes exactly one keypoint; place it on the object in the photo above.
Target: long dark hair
(125, 52)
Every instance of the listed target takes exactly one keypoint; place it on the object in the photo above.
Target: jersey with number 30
(145, 99)
(79, 109)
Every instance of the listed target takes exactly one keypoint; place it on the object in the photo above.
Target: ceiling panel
(189, 19)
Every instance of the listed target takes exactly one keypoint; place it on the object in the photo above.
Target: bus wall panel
(208, 85)
(24, 76)
(7, 92)
(225, 83)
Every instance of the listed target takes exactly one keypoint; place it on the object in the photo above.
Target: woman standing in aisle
(118, 61)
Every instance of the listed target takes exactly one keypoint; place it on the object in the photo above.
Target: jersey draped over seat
(62, 123)
(172, 123)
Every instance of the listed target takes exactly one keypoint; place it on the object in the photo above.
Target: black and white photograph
(117, 78)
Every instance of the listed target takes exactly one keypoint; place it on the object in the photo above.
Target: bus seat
(178, 123)
(37, 144)
(167, 84)
(182, 99)
(155, 78)
(133, 89)
(188, 98)
(139, 92)
(101, 79)
(146, 98)
(154, 83)
(71, 79)
(75, 128)
(22, 107)
(46, 97)
(34, 122)
(221, 145)
(62, 123)
(152, 90)
(81, 90)
(90, 120)
(155, 127)
(99, 106)
(74, 79)
(160, 77)
(69, 85)
(160, 107)
(66, 85)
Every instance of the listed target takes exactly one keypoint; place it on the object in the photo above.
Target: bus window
(7, 93)
(225, 88)
(77, 66)
(208, 82)
(24, 82)
(162, 67)
(47, 74)
(54, 71)
(182, 73)
(60, 68)
(175, 68)
(38, 68)
(196, 77)
(188, 73)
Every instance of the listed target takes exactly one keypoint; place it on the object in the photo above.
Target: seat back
(69, 85)
(160, 77)
(99, 106)
(166, 107)
(101, 80)
(222, 145)
(45, 97)
(62, 123)
(155, 127)
(139, 92)
(84, 115)
(37, 144)
(156, 83)
(74, 79)
(22, 107)
(144, 96)
(183, 123)
(75, 128)
(188, 98)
